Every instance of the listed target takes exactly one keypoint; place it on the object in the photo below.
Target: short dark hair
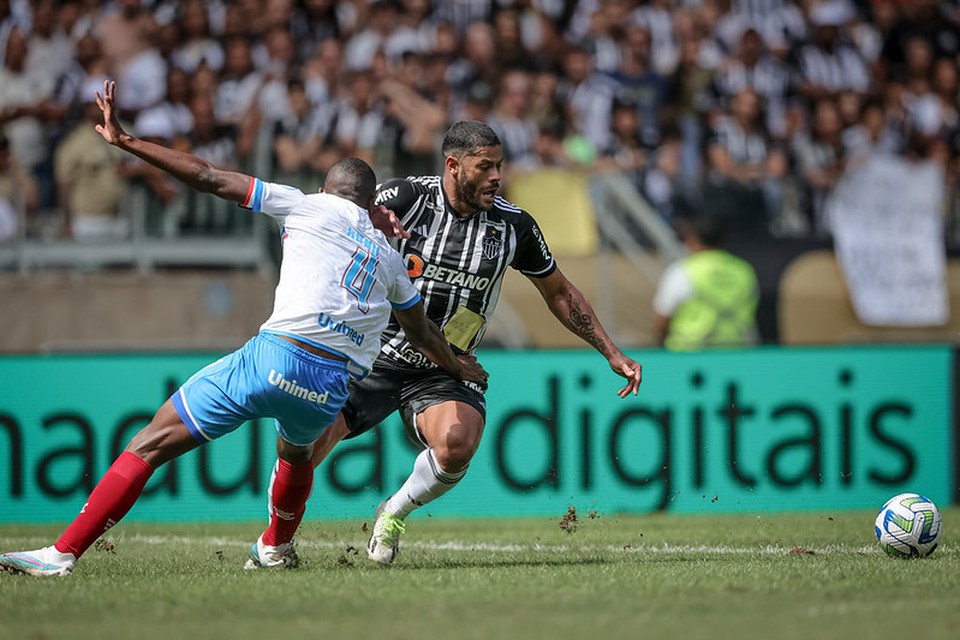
(706, 228)
(353, 179)
(467, 137)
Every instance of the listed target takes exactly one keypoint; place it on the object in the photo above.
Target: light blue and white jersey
(339, 277)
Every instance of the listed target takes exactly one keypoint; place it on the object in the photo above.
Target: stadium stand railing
(196, 230)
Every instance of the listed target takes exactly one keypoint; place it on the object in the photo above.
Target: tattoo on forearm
(583, 323)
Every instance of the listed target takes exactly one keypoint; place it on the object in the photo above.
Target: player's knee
(457, 450)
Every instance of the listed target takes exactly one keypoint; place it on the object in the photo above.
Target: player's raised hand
(629, 369)
(110, 129)
(387, 221)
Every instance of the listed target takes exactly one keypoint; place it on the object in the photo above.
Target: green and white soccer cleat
(43, 563)
(384, 545)
(264, 556)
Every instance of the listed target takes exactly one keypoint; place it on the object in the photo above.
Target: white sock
(427, 483)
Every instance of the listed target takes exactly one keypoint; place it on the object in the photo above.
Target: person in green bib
(709, 298)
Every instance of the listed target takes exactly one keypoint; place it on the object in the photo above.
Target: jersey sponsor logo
(415, 358)
(492, 243)
(387, 194)
(294, 389)
(326, 322)
(416, 267)
(541, 242)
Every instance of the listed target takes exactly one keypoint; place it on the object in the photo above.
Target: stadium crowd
(746, 109)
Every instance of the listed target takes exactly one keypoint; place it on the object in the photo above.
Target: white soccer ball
(908, 526)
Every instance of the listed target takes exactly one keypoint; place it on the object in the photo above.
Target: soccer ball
(908, 526)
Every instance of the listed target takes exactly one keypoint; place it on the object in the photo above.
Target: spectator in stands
(24, 107)
(302, 148)
(414, 119)
(656, 17)
(929, 92)
(236, 93)
(316, 21)
(586, 95)
(321, 72)
(277, 64)
(18, 193)
(754, 67)
(708, 299)
(821, 161)
(381, 20)
(197, 46)
(510, 49)
(175, 108)
(416, 28)
(636, 80)
(828, 65)
(359, 118)
(211, 141)
(50, 48)
(128, 38)
(166, 198)
(548, 147)
(626, 153)
(239, 83)
(873, 133)
(927, 20)
(745, 170)
(478, 59)
(512, 121)
(86, 170)
(86, 60)
(661, 181)
(478, 103)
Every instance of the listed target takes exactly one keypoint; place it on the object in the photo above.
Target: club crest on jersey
(492, 243)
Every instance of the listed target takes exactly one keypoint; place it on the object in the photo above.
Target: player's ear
(452, 163)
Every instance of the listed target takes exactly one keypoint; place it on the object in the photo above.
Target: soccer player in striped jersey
(339, 283)
(462, 238)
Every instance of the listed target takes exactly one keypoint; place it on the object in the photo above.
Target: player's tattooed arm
(582, 321)
(571, 307)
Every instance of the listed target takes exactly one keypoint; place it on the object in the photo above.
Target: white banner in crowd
(888, 231)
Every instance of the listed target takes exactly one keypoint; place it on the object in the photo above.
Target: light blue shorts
(267, 378)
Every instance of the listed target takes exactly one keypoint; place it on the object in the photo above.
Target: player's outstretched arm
(197, 173)
(570, 306)
(427, 337)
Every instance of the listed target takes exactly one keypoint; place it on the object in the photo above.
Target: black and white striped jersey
(454, 261)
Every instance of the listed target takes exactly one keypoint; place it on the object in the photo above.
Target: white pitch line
(460, 547)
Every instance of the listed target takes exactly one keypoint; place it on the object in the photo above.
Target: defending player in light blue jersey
(339, 283)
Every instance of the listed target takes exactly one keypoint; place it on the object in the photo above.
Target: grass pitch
(816, 576)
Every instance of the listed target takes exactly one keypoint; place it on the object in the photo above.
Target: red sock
(291, 488)
(113, 496)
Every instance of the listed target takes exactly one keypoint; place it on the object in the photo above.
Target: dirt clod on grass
(104, 545)
(569, 520)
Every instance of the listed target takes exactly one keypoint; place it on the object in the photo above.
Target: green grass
(655, 576)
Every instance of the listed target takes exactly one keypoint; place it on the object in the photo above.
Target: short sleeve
(673, 289)
(533, 257)
(275, 200)
(399, 195)
(401, 292)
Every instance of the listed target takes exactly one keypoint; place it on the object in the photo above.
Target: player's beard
(469, 194)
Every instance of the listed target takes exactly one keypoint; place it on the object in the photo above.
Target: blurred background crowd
(749, 110)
